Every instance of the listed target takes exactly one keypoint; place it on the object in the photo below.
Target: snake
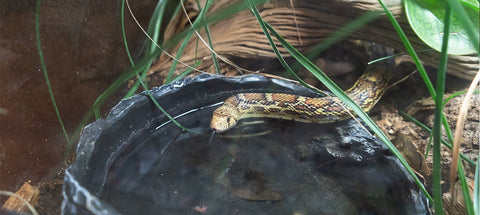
(366, 92)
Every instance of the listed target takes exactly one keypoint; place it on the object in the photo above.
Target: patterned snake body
(366, 92)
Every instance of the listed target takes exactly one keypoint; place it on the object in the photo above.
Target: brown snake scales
(366, 92)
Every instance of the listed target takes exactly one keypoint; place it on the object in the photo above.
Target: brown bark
(304, 25)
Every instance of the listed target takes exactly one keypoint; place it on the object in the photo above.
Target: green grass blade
(105, 95)
(420, 67)
(186, 72)
(347, 100)
(169, 77)
(45, 74)
(418, 64)
(457, 94)
(340, 34)
(351, 104)
(476, 188)
(465, 188)
(154, 29)
(124, 36)
(262, 24)
(155, 25)
(196, 25)
(473, 4)
(398, 55)
(231, 10)
(410, 50)
(437, 124)
(416, 60)
(343, 32)
(429, 145)
(427, 129)
(119, 82)
(207, 31)
(145, 62)
(160, 107)
(210, 20)
(140, 79)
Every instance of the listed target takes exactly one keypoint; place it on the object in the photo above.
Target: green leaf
(427, 20)
(471, 3)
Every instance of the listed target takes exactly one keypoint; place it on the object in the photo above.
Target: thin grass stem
(465, 189)
(343, 32)
(45, 74)
(476, 187)
(154, 29)
(144, 85)
(207, 31)
(437, 123)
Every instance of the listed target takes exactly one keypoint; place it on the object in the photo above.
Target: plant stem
(437, 124)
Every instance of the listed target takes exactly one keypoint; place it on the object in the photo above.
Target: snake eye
(231, 121)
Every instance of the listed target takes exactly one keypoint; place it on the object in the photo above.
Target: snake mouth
(217, 125)
(225, 117)
(222, 123)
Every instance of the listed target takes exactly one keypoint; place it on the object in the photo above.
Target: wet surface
(136, 161)
(264, 167)
(83, 52)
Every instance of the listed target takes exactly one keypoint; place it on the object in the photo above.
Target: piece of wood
(27, 192)
(303, 24)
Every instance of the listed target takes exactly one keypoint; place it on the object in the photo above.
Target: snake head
(224, 118)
